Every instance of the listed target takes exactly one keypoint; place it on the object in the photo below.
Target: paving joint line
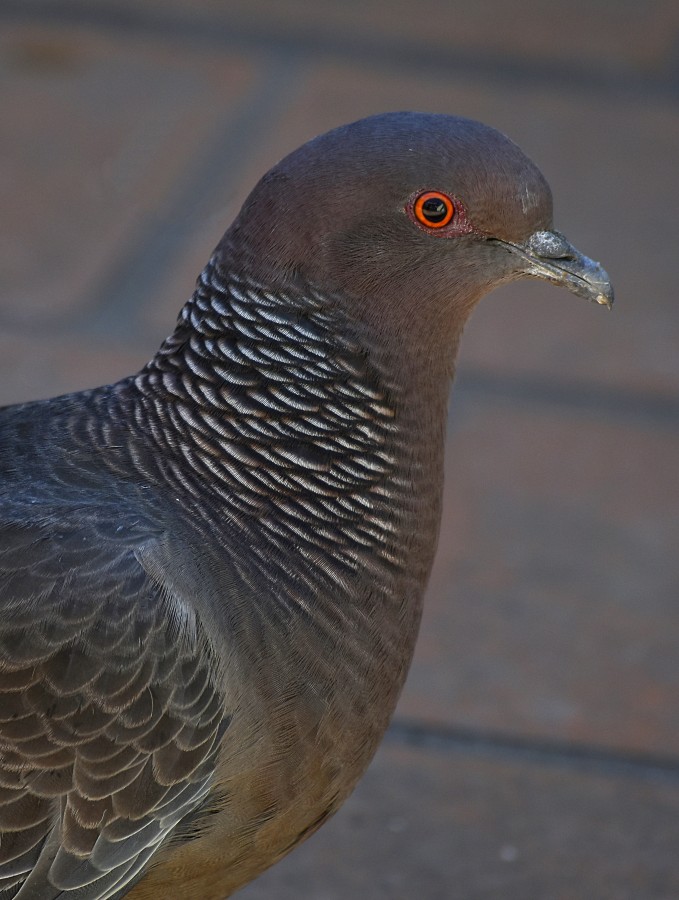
(112, 308)
(241, 35)
(645, 408)
(135, 275)
(501, 746)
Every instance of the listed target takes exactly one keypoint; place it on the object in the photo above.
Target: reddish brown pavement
(535, 754)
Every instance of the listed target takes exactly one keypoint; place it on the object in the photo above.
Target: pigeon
(212, 572)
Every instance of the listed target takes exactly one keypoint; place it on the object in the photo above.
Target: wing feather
(110, 714)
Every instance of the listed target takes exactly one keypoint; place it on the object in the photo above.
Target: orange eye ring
(433, 209)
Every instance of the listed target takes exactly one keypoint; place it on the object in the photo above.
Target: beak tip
(561, 263)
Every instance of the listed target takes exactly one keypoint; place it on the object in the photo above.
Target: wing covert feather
(110, 715)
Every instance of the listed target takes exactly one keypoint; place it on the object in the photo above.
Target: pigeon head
(411, 218)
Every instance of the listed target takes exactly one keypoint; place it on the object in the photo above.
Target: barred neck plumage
(267, 399)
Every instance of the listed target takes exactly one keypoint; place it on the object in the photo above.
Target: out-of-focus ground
(535, 752)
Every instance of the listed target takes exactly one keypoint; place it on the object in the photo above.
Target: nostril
(550, 245)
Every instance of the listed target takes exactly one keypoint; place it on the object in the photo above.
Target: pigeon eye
(433, 209)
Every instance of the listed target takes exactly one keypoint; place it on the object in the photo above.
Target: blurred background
(535, 753)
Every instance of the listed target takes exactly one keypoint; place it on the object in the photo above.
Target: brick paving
(535, 753)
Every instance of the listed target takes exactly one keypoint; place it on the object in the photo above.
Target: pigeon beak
(548, 255)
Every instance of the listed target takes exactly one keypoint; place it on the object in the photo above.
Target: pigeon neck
(276, 407)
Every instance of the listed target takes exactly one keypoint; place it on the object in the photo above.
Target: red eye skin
(438, 213)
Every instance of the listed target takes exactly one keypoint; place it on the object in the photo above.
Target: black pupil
(434, 210)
